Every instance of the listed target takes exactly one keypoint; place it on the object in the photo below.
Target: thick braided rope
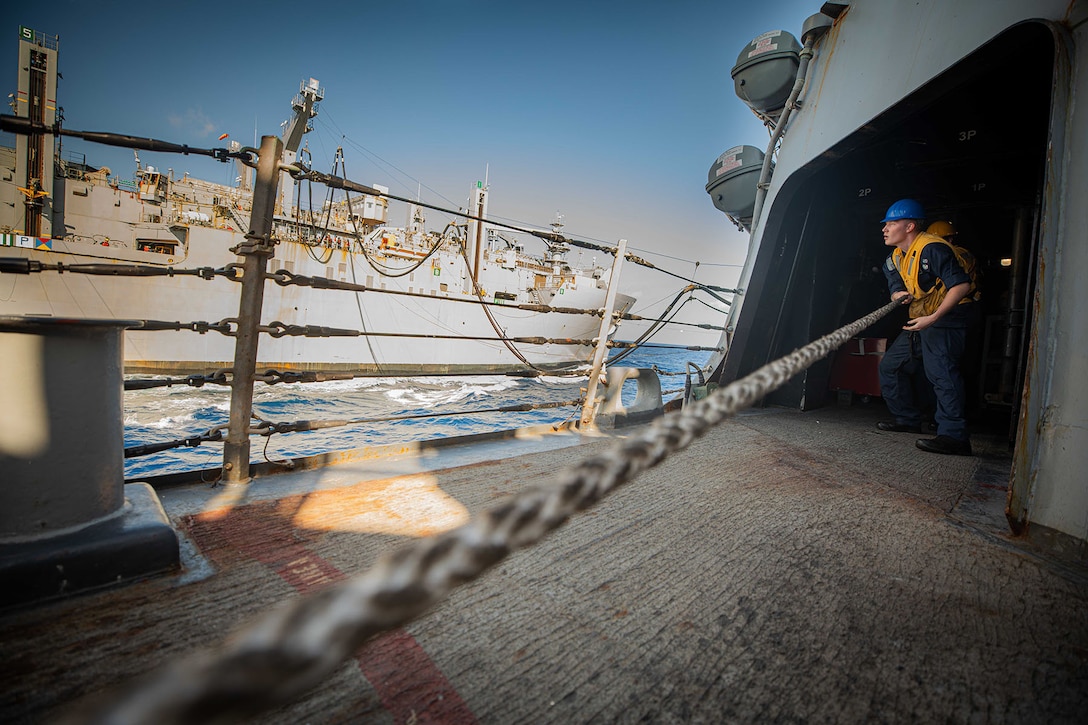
(295, 646)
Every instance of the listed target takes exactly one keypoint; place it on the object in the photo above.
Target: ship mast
(310, 93)
(36, 99)
(477, 232)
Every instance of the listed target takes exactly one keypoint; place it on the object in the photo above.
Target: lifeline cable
(284, 278)
(223, 376)
(248, 155)
(659, 324)
(23, 125)
(298, 644)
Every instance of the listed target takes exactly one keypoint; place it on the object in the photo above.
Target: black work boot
(944, 444)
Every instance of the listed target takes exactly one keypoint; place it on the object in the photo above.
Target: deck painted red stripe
(411, 688)
(409, 684)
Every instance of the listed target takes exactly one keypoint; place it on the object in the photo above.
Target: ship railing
(276, 329)
(101, 177)
(614, 412)
(237, 216)
(43, 40)
(647, 405)
(259, 245)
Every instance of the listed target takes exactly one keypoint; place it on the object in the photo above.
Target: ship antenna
(557, 223)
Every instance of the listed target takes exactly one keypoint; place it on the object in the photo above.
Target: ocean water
(174, 413)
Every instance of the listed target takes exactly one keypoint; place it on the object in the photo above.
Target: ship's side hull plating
(969, 107)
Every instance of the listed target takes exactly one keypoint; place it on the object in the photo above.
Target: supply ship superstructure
(435, 302)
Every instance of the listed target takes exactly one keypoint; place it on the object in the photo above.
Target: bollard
(647, 404)
(68, 522)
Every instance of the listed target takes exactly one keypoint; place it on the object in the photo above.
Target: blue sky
(609, 113)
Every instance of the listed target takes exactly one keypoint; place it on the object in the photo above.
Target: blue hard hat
(904, 209)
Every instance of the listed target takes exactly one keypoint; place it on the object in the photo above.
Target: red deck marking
(408, 683)
(411, 688)
(304, 571)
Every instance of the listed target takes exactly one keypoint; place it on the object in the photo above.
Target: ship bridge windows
(152, 186)
(38, 61)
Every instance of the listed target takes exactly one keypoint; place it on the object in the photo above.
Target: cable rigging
(376, 265)
(301, 172)
(495, 219)
(327, 255)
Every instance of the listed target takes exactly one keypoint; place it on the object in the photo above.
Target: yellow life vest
(926, 302)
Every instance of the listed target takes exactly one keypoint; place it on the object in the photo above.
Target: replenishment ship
(463, 300)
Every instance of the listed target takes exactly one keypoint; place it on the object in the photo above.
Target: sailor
(972, 356)
(944, 230)
(924, 271)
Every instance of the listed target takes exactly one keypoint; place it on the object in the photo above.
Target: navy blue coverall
(941, 344)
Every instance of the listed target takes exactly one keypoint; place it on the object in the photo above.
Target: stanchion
(255, 251)
(589, 408)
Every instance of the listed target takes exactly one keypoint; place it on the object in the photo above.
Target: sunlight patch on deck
(404, 506)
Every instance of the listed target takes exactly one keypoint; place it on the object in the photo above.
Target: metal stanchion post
(590, 405)
(256, 250)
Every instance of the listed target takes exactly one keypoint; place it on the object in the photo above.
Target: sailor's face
(895, 232)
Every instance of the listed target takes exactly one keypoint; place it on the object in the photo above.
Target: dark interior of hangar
(971, 146)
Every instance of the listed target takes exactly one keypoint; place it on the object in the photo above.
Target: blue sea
(174, 413)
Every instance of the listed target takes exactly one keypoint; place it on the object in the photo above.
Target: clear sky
(609, 113)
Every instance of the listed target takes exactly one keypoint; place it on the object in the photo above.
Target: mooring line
(396, 666)
(295, 646)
